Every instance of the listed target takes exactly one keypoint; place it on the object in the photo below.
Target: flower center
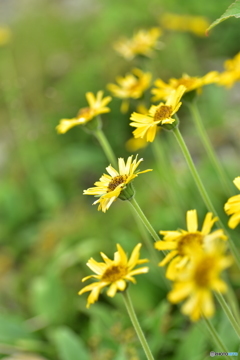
(186, 82)
(117, 180)
(85, 113)
(189, 242)
(114, 273)
(203, 272)
(164, 112)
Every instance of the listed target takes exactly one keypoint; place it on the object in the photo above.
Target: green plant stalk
(228, 313)
(143, 218)
(136, 325)
(106, 147)
(203, 191)
(208, 146)
(216, 338)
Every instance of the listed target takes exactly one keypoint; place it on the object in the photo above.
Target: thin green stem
(136, 325)
(106, 147)
(143, 218)
(216, 338)
(208, 146)
(203, 191)
(229, 313)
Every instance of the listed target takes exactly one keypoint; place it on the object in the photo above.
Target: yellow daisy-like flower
(183, 243)
(131, 86)
(113, 273)
(142, 43)
(97, 106)
(109, 187)
(232, 207)
(198, 280)
(146, 125)
(231, 73)
(5, 35)
(194, 24)
(164, 90)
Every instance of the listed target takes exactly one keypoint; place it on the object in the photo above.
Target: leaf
(13, 329)
(69, 345)
(232, 10)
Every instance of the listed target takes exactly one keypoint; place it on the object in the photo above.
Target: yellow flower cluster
(194, 24)
(113, 273)
(142, 43)
(97, 106)
(110, 187)
(196, 259)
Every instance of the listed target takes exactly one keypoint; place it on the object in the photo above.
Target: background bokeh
(60, 50)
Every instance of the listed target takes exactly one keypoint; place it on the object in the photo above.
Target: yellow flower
(97, 106)
(195, 24)
(198, 280)
(5, 35)
(183, 243)
(163, 90)
(232, 207)
(157, 115)
(109, 187)
(231, 73)
(142, 43)
(131, 86)
(113, 273)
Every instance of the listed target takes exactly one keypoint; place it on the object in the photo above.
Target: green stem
(208, 146)
(143, 218)
(229, 313)
(136, 325)
(203, 191)
(106, 147)
(216, 338)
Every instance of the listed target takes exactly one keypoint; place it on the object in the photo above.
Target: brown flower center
(114, 273)
(203, 272)
(189, 242)
(163, 112)
(117, 180)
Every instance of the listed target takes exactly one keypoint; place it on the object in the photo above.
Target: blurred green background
(48, 230)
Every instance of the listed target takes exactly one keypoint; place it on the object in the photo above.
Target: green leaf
(13, 329)
(232, 10)
(69, 345)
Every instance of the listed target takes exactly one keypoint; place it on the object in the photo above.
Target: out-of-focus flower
(197, 281)
(109, 187)
(232, 206)
(142, 43)
(5, 35)
(113, 273)
(163, 90)
(131, 86)
(97, 106)
(146, 125)
(194, 24)
(232, 72)
(184, 243)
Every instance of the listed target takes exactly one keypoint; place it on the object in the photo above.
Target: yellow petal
(192, 221)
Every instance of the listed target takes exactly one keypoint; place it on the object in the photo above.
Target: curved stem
(203, 191)
(136, 325)
(106, 147)
(142, 216)
(216, 338)
(229, 313)
(208, 146)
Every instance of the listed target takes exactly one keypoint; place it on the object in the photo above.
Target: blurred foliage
(59, 51)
